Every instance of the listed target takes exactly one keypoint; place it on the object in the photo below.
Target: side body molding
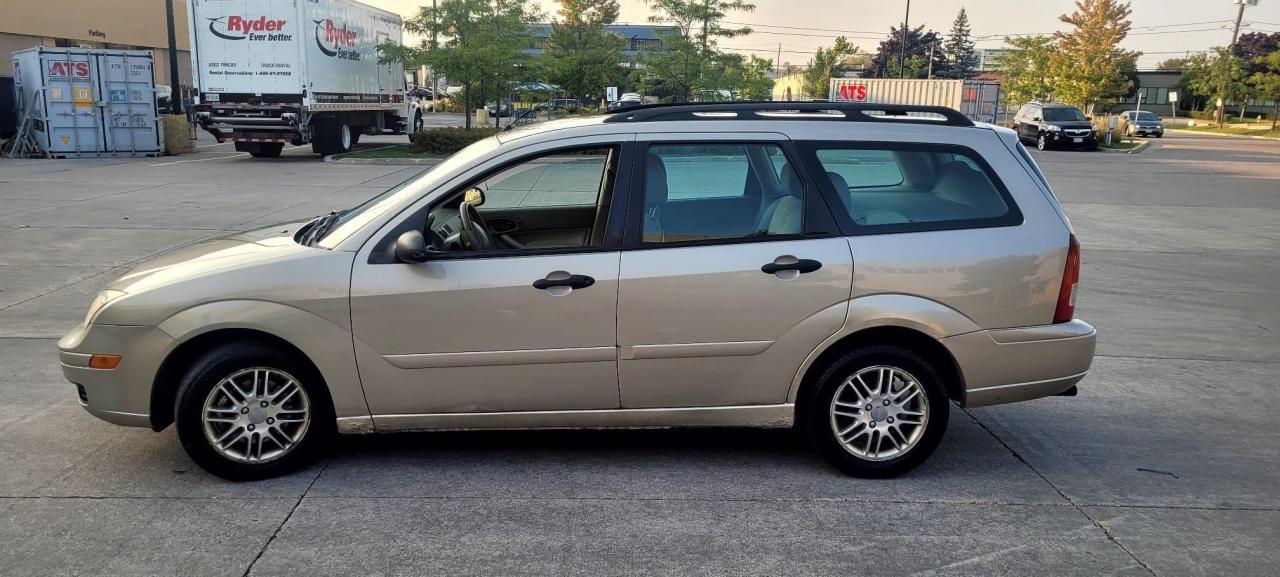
(890, 310)
(326, 344)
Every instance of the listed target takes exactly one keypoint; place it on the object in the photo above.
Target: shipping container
(269, 72)
(86, 102)
(977, 99)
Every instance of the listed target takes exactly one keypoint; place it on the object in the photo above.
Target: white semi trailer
(270, 72)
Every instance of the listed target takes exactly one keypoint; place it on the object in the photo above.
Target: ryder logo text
(260, 29)
(336, 42)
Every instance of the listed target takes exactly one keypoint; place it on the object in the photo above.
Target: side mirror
(473, 197)
(411, 247)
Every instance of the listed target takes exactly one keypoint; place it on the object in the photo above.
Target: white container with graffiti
(87, 102)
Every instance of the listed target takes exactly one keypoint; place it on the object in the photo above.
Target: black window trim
(817, 221)
(808, 151)
(383, 251)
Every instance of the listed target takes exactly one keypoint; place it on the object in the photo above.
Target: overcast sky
(1197, 24)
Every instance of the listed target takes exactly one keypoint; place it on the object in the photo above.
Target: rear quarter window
(878, 188)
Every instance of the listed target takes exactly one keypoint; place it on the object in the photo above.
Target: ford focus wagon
(849, 270)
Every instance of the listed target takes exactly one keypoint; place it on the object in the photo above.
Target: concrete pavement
(1166, 464)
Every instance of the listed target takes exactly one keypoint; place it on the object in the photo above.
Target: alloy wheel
(256, 415)
(879, 413)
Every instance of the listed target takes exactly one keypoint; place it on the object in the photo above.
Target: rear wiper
(319, 227)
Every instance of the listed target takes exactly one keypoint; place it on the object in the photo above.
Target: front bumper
(1063, 140)
(1010, 365)
(121, 395)
(1147, 130)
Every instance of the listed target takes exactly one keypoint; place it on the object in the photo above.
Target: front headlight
(1055, 128)
(100, 301)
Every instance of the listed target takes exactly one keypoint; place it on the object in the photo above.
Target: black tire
(267, 150)
(1042, 143)
(324, 136)
(819, 424)
(209, 370)
(355, 136)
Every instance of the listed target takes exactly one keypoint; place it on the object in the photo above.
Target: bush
(448, 140)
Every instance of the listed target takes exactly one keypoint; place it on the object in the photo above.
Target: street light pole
(175, 97)
(902, 49)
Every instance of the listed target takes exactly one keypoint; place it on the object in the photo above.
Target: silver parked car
(850, 270)
(1142, 123)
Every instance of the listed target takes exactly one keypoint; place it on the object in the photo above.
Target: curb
(1202, 133)
(1139, 148)
(385, 161)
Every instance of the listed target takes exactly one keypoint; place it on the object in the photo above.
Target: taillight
(1070, 278)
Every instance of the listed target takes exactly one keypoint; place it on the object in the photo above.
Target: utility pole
(931, 60)
(902, 50)
(777, 66)
(1235, 33)
(175, 97)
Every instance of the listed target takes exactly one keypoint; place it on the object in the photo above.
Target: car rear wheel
(247, 411)
(878, 412)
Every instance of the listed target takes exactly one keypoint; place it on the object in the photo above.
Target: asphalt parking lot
(1167, 463)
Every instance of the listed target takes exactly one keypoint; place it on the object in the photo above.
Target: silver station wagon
(849, 270)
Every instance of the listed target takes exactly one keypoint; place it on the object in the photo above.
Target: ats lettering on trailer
(242, 28)
(337, 42)
(853, 92)
(62, 69)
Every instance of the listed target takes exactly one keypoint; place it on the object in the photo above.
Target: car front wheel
(247, 411)
(1042, 143)
(878, 412)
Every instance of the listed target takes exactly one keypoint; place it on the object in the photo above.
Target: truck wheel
(355, 137)
(345, 138)
(324, 136)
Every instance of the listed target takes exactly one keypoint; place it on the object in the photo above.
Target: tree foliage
(1027, 69)
(817, 76)
(961, 57)
(1252, 47)
(687, 59)
(1265, 82)
(479, 44)
(749, 75)
(582, 56)
(1216, 75)
(884, 64)
(1089, 69)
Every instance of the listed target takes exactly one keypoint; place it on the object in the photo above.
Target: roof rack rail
(773, 110)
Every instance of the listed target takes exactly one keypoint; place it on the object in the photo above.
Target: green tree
(1089, 69)
(582, 56)
(1172, 64)
(747, 75)
(884, 63)
(1217, 75)
(480, 44)
(961, 58)
(1265, 82)
(817, 76)
(1026, 68)
(679, 65)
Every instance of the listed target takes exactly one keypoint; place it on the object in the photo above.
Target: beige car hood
(211, 255)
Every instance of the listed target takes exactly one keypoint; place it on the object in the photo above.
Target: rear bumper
(121, 395)
(1010, 365)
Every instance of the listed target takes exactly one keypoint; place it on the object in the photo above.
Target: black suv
(1055, 126)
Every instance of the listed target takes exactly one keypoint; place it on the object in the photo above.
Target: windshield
(1146, 116)
(353, 219)
(1062, 114)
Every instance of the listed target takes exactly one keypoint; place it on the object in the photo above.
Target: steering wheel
(474, 235)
